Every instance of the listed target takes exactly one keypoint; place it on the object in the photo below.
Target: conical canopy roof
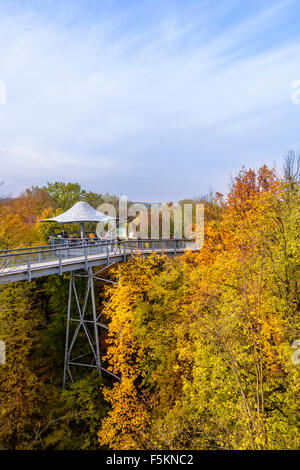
(81, 212)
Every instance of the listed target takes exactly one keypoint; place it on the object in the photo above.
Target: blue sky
(158, 100)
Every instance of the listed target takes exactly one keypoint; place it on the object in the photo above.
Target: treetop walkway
(71, 255)
(67, 255)
(76, 254)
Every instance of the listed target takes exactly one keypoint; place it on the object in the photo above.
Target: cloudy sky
(157, 99)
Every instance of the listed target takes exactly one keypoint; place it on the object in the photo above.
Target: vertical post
(66, 364)
(82, 231)
(98, 360)
(125, 248)
(85, 257)
(29, 268)
(175, 241)
(60, 266)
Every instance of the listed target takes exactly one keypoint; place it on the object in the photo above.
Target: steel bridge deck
(67, 259)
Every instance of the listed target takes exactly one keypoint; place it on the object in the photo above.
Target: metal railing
(68, 248)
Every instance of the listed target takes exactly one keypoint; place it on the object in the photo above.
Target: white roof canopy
(81, 212)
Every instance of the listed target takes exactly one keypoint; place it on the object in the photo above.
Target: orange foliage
(19, 218)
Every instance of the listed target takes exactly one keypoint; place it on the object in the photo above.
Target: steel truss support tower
(88, 323)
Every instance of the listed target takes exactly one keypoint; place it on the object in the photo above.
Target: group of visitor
(92, 238)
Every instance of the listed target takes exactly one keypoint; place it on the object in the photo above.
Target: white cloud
(136, 109)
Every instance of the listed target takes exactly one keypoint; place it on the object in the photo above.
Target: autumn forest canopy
(203, 342)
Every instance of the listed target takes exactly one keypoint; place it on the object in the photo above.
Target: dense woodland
(203, 342)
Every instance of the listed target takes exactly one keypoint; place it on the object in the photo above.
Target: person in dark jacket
(118, 245)
(64, 236)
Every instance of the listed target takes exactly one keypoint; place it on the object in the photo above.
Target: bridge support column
(87, 328)
(83, 328)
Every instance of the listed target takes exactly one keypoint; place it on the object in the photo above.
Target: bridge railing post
(86, 256)
(125, 249)
(60, 264)
(29, 268)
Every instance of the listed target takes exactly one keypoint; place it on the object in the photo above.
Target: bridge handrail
(38, 251)
(74, 243)
(48, 248)
(37, 247)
